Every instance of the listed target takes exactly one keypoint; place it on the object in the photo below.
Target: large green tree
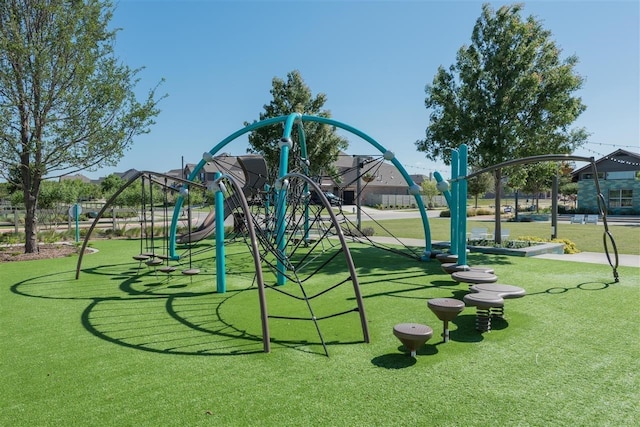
(509, 95)
(323, 143)
(66, 102)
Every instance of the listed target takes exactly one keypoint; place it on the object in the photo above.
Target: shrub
(569, 246)
(354, 232)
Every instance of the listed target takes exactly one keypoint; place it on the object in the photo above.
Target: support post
(221, 276)
(554, 207)
(462, 206)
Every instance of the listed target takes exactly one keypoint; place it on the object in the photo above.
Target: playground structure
(291, 239)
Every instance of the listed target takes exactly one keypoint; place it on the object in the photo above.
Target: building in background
(619, 178)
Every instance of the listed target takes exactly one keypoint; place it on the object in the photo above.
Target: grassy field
(587, 237)
(122, 346)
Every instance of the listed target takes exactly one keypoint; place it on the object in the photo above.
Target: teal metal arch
(290, 120)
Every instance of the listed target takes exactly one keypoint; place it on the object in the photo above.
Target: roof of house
(620, 156)
(76, 176)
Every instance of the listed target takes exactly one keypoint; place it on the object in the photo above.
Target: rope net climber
(302, 252)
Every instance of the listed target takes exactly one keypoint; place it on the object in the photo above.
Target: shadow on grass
(148, 313)
(394, 361)
(586, 286)
(403, 359)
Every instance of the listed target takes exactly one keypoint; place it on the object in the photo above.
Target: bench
(591, 219)
(479, 233)
(577, 219)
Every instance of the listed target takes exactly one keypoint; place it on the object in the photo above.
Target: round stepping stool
(484, 302)
(447, 258)
(450, 267)
(504, 291)
(412, 335)
(446, 309)
(473, 277)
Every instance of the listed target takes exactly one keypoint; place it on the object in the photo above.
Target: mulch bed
(45, 251)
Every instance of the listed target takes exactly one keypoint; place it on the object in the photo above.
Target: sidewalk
(624, 260)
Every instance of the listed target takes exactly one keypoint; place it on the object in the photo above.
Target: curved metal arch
(531, 159)
(290, 120)
(600, 198)
(110, 202)
(266, 340)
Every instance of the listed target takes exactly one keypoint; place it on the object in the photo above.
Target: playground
(286, 313)
(121, 348)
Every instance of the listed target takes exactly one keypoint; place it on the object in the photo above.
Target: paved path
(625, 260)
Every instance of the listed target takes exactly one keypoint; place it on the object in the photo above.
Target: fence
(400, 200)
(12, 219)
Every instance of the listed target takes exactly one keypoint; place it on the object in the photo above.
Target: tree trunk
(30, 224)
(498, 185)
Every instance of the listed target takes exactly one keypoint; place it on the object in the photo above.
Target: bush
(354, 232)
(569, 246)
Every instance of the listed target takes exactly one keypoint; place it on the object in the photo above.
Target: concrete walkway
(624, 260)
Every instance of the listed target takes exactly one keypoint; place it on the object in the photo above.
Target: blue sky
(371, 58)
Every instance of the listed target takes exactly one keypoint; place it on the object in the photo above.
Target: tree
(66, 103)
(323, 143)
(479, 185)
(110, 184)
(508, 96)
(566, 186)
(429, 189)
(533, 178)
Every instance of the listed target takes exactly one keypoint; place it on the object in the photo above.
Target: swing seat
(140, 257)
(191, 272)
(154, 262)
(168, 269)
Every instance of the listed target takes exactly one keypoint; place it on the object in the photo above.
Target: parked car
(332, 198)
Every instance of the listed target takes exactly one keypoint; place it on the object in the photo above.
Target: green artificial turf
(121, 346)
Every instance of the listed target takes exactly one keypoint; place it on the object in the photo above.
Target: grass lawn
(118, 348)
(587, 237)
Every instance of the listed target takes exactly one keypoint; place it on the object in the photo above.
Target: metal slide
(255, 176)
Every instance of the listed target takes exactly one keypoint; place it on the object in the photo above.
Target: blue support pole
(443, 187)
(462, 207)
(221, 275)
(281, 211)
(454, 203)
